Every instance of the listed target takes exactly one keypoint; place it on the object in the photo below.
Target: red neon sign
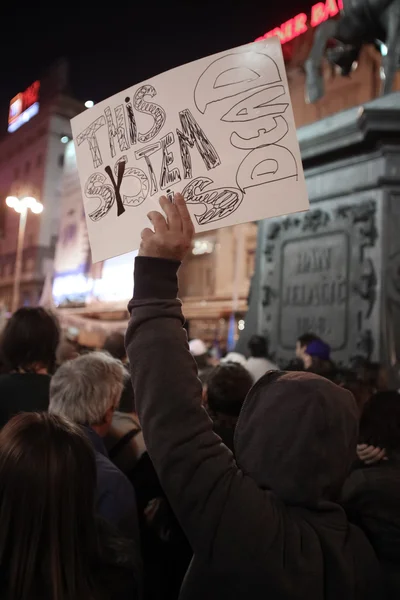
(22, 101)
(320, 12)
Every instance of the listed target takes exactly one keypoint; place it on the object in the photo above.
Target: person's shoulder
(370, 478)
(109, 475)
(22, 392)
(106, 466)
(31, 379)
(271, 366)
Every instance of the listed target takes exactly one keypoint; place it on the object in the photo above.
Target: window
(39, 160)
(27, 167)
(16, 173)
(61, 160)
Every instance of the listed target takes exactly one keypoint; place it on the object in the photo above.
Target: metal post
(18, 261)
(239, 250)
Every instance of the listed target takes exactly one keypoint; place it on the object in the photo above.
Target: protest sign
(220, 130)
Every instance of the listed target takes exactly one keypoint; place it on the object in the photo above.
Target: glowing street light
(21, 206)
(89, 103)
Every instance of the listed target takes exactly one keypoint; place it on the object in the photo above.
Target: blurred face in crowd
(300, 350)
(306, 358)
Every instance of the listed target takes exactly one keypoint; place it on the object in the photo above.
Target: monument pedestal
(335, 270)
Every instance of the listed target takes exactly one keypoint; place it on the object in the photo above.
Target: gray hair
(84, 389)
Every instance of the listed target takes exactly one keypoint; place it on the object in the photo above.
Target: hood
(297, 436)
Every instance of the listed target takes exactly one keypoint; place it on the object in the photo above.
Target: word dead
(138, 164)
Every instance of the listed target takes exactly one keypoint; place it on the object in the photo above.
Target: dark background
(113, 45)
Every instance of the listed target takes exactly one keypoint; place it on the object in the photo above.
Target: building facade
(31, 164)
(215, 278)
(208, 281)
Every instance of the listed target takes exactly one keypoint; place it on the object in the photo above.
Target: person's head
(226, 389)
(258, 346)
(375, 376)
(30, 339)
(87, 390)
(317, 357)
(380, 422)
(47, 524)
(66, 351)
(360, 390)
(234, 357)
(302, 342)
(199, 351)
(115, 346)
(296, 435)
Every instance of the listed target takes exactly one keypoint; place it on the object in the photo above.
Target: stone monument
(335, 270)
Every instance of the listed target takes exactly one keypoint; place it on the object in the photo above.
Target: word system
(220, 130)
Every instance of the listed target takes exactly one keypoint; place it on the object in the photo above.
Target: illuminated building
(207, 280)
(31, 164)
(216, 276)
(301, 23)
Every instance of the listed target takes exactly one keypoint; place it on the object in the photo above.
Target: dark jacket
(117, 569)
(371, 496)
(266, 526)
(115, 496)
(165, 550)
(23, 392)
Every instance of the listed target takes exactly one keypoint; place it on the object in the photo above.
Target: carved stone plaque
(314, 289)
(335, 270)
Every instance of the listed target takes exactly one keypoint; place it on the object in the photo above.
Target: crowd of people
(145, 470)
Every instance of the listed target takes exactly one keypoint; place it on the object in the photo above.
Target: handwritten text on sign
(220, 129)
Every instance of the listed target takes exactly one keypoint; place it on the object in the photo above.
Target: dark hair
(360, 390)
(373, 374)
(30, 336)
(227, 388)
(380, 421)
(324, 368)
(307, 338)
(47, 522)
(202, 361)
(258, 346)
(115, 345)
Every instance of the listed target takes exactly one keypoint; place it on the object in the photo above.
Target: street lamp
(21, 206)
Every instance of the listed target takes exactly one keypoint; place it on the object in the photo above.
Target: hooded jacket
(267, 526)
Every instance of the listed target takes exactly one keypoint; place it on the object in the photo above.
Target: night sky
(125, 42)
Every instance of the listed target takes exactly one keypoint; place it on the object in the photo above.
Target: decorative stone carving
(336, 269)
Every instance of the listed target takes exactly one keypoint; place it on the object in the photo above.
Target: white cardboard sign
(220, 130)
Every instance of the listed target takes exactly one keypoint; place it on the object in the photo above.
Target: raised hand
(172, 236)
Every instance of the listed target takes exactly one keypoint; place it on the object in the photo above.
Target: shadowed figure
(361, 22)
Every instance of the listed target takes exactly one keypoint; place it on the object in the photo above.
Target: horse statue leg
(391, 61)
(314, 79)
